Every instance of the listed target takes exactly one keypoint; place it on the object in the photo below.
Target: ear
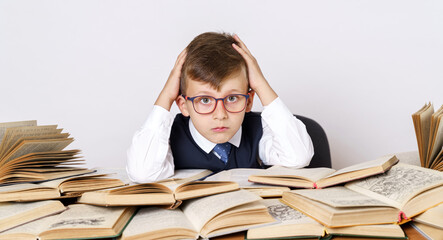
(181, 103)
(250, 101)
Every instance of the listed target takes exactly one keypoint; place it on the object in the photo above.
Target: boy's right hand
(172, 86)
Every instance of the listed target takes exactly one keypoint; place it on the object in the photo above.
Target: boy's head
(211, 59)
(214, 69)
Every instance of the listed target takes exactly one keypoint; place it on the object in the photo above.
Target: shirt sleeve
(149, 158)
(285, 140)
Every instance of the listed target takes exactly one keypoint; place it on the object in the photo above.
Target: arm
(257, 81)
(285, 140)
(149, 156)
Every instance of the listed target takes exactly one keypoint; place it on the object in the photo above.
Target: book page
(399, 184)
(88, 181)
(433, 217)
(13, 135)
(149, 219)
(10, 209)
(18, 187)
(87, 216)
(37, 146)
(119, 173)
(339, 197)
(183, 176)
(33, 228)
(290, 223)
(436, 136)
(311, 174)
(285, 214)
(238, 175)
(422, 124)
(363, 165)
(428, 232)
(190, 173)
(214, 205)
(6, 125)
(371, 231)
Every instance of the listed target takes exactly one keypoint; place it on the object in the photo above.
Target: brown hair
(211, 58)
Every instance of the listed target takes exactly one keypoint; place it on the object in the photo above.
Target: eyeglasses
(233, 103)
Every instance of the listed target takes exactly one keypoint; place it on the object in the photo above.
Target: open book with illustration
(393, 197)
(183, 185)
(294, 224)
(15, 214)
(428, 127)
(240, 176)
(79, 221)
(30, 153)
(206, 217)
(322, 177)
(59, 188)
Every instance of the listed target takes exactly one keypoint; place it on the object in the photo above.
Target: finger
(242, 44)
(242, 52)
(181, 58)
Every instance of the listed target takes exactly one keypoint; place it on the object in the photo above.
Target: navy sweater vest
(188, 155)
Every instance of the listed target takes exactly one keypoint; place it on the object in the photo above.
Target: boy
(213, 82)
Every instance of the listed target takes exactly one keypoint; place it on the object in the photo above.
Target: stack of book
(212, 208)
(402, 194)
(370, 199)
(32, 153)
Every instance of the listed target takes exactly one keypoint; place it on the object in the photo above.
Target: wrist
(265, 93)
(165, 100)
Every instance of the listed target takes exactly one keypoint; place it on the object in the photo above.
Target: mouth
(219, 129)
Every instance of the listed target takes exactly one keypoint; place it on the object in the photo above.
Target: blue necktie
(222, 151)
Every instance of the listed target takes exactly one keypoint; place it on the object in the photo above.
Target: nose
(219, 111)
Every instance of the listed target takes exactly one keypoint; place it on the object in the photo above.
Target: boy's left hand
(257, 81)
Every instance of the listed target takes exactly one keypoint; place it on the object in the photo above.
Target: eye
(205, 100)
(232, 98)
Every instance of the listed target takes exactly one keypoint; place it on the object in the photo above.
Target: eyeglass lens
(207, 104)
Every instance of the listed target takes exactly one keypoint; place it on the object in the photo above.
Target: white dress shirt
(285, 141)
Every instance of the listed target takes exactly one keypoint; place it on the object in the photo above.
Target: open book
(240, 176)
(58, 188)
(294, 224)
(166, 192)
(30, 153)
(15, 214)
(428, 231)
(206, 217)
(322, 177)
(80, 221)
(432, 217)
(429, 133)
(394, 197)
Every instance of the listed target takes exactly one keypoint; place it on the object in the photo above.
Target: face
(220, 125)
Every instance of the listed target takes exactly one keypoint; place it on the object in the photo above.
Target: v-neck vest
(188, 155)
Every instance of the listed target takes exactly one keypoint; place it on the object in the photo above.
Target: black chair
(322, 154)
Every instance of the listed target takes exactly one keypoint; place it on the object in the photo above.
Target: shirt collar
(207, 145)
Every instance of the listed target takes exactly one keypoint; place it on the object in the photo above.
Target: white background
(359, 68)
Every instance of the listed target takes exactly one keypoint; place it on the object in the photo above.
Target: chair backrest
(322, 155)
